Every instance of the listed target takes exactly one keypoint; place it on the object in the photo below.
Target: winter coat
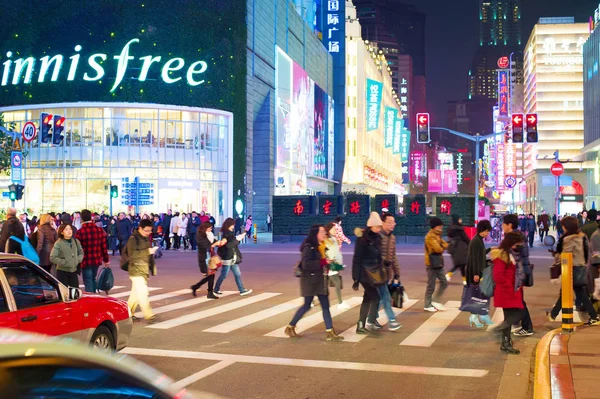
(434, 244)
(594, 250)
(589, 228)
(388, 249)
(459, 244)
(11, 227)
(574, 244)
(166, 223)
(140, 260)
(204, 244)
(46, 237)
(476, 261)
(174, 228)
(531, 227)
(544, 220)
(313, 280)
(124, 228)
(248, 224)
(183, 225)
(67, 254)
(227, 251)
(193, 224)
(367, 254)
(505, 295)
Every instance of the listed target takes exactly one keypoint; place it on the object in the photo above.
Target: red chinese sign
(446, 207)
(355, 207)
(327, 207)
(385, 204)
(415, 206)
(299, 208)
(503, 93)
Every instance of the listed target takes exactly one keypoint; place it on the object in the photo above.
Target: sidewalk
(568, 365)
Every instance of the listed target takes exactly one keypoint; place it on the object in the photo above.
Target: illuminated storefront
(553, 71)
(374, 123)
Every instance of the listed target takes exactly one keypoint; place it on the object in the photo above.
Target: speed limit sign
(29, 131)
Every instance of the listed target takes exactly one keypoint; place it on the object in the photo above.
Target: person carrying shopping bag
(458, 248)
(206, 242)
(313, 270)
(434, 262)
(476, 262)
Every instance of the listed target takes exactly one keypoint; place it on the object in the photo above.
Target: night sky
(453, 37)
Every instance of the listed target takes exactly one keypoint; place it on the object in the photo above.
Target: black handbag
(436, 261)
(580, 276)
(528, 281)
(397, 295)
(555, 271)
(375, 274)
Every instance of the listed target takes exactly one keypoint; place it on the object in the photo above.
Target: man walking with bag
(140, 265)
(95, 251)
(434, 262)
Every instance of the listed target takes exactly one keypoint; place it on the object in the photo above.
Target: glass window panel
(29, 287)
(134, 133)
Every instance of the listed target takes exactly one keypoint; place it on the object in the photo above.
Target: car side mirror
(74, 293)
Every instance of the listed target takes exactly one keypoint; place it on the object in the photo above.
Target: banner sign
(404, 145)
(449, 182)
(503, 93)
(398, 126)
(510, 160)
(435, 180)
(500, 167)
(390, 123)
(374, 96)
(405, 173)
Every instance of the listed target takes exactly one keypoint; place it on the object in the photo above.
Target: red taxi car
(33, 300)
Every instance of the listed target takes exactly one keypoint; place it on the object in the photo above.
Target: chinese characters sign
(415, 207)
(299, 208)
(374, 95)
(334, 30)
(446, 207)
(503, 93)
(459, 168)
(510, 160)
(404, 145)
(390, 121)
(404, 96)
(500, 167)
(398, 126)
(327, 207)
(435, 180)
(355, 207)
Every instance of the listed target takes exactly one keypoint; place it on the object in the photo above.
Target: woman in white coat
(182, 232)
(174, 229)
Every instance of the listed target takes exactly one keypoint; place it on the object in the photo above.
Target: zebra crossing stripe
(350, 334)
(256, 317)
(168, 295)
(315, 319)
(191, 317)
(127, 293)
(184, 304)
(426, 334)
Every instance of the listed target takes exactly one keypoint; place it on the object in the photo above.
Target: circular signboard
(557, 169)
(503, 62)
(510, 182)
(16, 160)
(29, 131)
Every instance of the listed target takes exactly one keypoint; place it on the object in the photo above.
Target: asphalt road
(234, 347)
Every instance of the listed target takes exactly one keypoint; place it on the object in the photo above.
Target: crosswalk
(261, 312)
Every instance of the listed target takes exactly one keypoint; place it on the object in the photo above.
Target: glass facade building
(183, 153)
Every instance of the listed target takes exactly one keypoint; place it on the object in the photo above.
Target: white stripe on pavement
(350, 334)
(188, 318)
(433, 327)
(184, 304)
(323, 364)
(256, 317)
(168, 295)
(316, 318)
(116, 287)
(127, 293)
(202, 374)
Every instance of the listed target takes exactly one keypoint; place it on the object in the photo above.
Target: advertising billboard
(304, 132)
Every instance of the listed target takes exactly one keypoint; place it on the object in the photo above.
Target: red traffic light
(531, 119)
(60, 122)
(423, 118)
(48, 119)
(517, 119)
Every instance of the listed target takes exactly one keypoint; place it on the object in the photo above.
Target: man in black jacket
(124, 230)
(166, 224)
(11, 227)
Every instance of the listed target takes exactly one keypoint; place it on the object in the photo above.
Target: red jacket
(505, 295)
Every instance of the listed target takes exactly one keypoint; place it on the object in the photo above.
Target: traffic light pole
(477, 140)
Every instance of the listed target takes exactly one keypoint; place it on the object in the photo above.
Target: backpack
(106, 280)
(27, 249)
(124, 261)
(487, 283)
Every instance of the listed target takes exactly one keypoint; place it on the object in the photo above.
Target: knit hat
(435, 222)
(374, 220)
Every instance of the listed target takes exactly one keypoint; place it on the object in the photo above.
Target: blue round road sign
(510, 182)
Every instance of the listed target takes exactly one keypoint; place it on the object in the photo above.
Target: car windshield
(71, 381)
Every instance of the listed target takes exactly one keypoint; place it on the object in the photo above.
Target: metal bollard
(255, 234)
(566, 262)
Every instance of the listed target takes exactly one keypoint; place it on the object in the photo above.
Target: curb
(542, 387)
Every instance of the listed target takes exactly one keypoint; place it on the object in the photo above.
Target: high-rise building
(397, 29)
(553, 90)
(499, 36)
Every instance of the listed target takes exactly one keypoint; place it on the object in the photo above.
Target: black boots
(211, 295)
(507, 344)
(360, 328)
(194, 288)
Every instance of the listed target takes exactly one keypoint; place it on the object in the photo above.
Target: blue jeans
(324, 299)
(385, 301)
(236, 273)
(89, 274)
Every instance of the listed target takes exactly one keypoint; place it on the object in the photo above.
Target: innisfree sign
(21, 70)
